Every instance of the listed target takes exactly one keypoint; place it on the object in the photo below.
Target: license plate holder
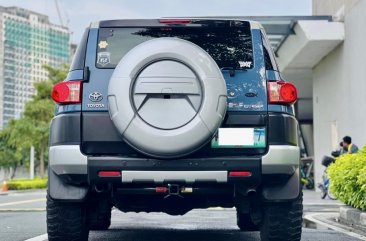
(240, 138)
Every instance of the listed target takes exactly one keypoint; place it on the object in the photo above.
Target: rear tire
(282, 221)
(245, 223)
(99, 213)
(66, 221)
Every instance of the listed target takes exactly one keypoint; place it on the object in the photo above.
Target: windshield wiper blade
(232, 70)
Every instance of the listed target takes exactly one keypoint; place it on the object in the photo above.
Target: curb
(39, 238)
(22, 210)
(353, 217)
(318, 218)
(23, 191)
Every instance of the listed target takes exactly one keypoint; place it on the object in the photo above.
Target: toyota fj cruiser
(169, 115)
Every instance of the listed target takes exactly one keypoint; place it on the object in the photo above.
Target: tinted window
(229, 46)
(269, 59)
(79, 57)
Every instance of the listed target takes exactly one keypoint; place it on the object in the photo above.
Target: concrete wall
(302, 78)
(21, 172)
(339, 87)
(332, 7)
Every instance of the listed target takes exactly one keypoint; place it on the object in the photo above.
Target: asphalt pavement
(198, 225)
(22, 217)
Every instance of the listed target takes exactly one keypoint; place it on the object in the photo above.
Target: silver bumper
(68, 159)
(281, 159)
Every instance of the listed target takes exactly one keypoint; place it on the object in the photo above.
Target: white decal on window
(245, 64)
(103, 58)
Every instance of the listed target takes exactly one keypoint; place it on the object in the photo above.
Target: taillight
(68, 92)
(281, 92)
(175, 21)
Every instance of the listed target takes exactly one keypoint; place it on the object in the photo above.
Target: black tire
(323, 192)
(282, 221)
(244, 222)
(66, 221)
(99, 213)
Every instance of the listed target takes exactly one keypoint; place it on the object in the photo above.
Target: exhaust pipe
(256, 213)
(251, 192)
(101, 188)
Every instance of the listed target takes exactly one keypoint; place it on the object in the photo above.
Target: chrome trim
(281, 159)
(67, 159)
(166, 176)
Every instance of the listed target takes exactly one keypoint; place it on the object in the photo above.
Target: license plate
(239, 138)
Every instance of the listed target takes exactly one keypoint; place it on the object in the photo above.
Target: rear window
(229, 46)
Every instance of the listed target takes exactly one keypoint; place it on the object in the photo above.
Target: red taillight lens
(109, 173)
(67, 92)
(161, 190)
(281, 92)
(240, 174)
(175, 21)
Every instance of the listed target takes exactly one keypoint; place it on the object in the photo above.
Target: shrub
(23, 184)
(348, 179)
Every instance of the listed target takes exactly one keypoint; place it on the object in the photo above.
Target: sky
(77, 14)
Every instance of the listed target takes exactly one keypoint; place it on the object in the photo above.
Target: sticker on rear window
(102, 44)
(245, 64)
(104, 58)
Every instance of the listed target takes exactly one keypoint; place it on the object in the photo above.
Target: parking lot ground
(25, 220)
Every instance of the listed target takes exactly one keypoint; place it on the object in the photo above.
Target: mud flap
(287, 191)
(60, 191)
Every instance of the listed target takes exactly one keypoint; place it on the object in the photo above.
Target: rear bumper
(185, 171)
(281, 159)
(276, 173)
(68, 160)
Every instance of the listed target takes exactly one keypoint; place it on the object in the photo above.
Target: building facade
(326, 60)
(28, 41)
(339, 81)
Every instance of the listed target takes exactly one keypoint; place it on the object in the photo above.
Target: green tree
(10, 157)
(32, 129)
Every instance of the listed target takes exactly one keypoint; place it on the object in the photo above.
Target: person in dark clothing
(349, 146)
(342, 149)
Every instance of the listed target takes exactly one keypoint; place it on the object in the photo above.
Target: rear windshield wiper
(232, 70)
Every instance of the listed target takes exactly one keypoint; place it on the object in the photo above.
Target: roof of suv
(154, 22)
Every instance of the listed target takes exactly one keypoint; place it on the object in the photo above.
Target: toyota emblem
(95, 96)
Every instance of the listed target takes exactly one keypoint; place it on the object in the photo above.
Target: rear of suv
(169, 115)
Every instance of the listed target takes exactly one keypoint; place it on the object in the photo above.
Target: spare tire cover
(167, 97)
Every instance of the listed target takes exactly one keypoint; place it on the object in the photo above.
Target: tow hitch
(175, 190)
